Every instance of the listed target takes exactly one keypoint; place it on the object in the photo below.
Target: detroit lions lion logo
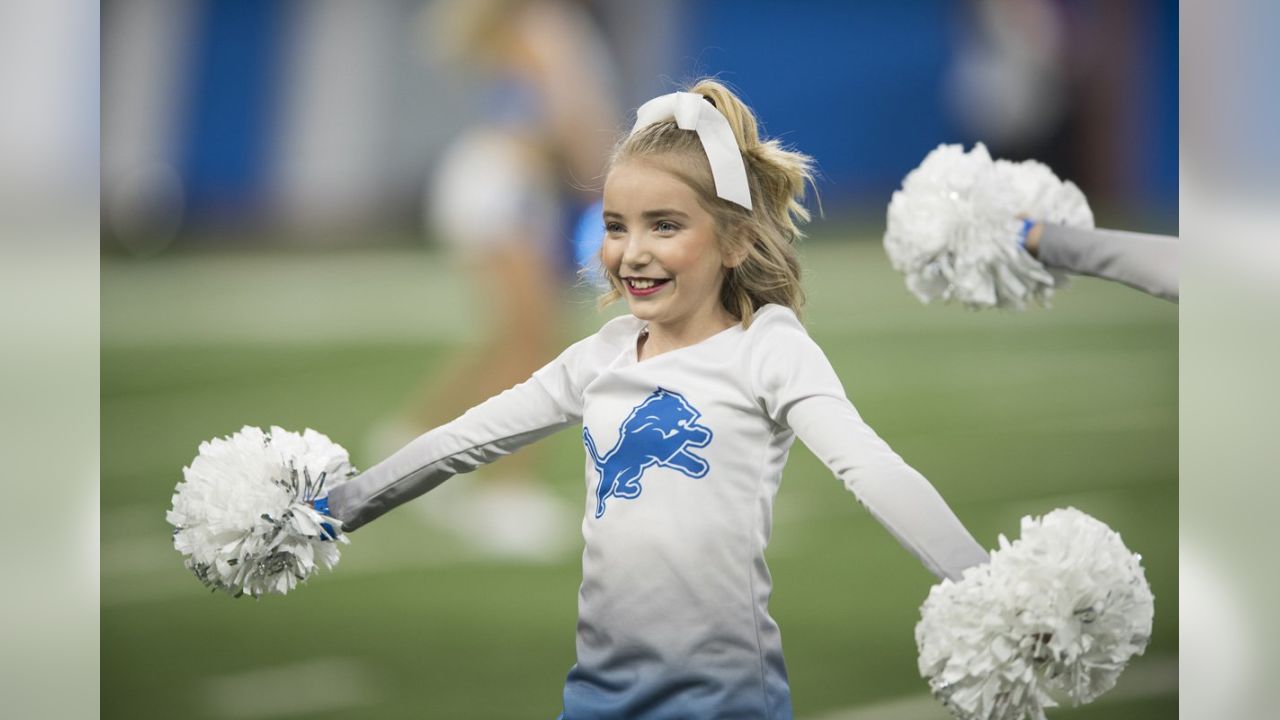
(660, 431)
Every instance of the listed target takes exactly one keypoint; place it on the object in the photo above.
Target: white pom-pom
(953, 227)
(1058, 612)
(243, 516)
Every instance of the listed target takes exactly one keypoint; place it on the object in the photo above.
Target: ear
(738, 251)
(736, 257)
(736, 254)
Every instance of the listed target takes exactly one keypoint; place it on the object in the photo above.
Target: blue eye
(613, 227)
(666, 226)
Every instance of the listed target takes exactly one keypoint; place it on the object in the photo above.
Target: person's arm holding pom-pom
(958, 230)
(1142, 261)
(259, 512)
(1063, 609)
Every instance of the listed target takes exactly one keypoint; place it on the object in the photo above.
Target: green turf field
(1007, 414)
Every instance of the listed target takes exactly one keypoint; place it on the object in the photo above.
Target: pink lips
(658, 285)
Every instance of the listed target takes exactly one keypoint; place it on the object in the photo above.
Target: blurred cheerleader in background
(502, 199)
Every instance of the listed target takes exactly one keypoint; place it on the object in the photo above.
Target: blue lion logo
(659, 431)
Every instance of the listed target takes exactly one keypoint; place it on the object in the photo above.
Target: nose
(635, 253)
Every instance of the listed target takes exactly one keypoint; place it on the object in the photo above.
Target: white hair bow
(692, 112)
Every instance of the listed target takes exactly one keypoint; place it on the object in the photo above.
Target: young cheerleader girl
(689, 406)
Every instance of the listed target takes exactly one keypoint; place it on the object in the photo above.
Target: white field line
(270, 299)
(405, 295)
(383, 296)
(1145, 678)
(299, 689)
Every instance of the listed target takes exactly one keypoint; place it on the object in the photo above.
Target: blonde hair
(764, 237)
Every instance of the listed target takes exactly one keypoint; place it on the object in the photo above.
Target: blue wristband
(322, 506)
(1027, 224)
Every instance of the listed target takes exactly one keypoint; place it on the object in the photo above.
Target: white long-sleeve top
(684, 455)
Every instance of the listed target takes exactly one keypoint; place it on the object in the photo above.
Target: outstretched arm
(1142, 261)
(900, 498)
(799, 389)
(543, 404)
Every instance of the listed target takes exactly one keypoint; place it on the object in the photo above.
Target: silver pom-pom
(1058, 612)
(244, 518)
(953, 227)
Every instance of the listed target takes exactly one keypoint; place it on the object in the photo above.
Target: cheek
(702, 257)
(611, 255)
(700, 273)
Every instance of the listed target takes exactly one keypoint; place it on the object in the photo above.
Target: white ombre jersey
(685, 453)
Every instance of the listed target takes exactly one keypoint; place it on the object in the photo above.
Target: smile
(644, 286)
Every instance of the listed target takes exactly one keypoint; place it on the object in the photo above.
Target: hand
(321, 505)
(1030, 234)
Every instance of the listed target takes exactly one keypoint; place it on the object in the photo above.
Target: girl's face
(662, 245)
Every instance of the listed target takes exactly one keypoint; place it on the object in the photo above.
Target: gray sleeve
(1145, 262)
(486, 432)
(798, 389)
(895, 494)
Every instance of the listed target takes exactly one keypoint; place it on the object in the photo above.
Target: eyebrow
(651, 214)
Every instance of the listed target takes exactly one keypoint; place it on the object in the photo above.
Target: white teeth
(641, 283)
